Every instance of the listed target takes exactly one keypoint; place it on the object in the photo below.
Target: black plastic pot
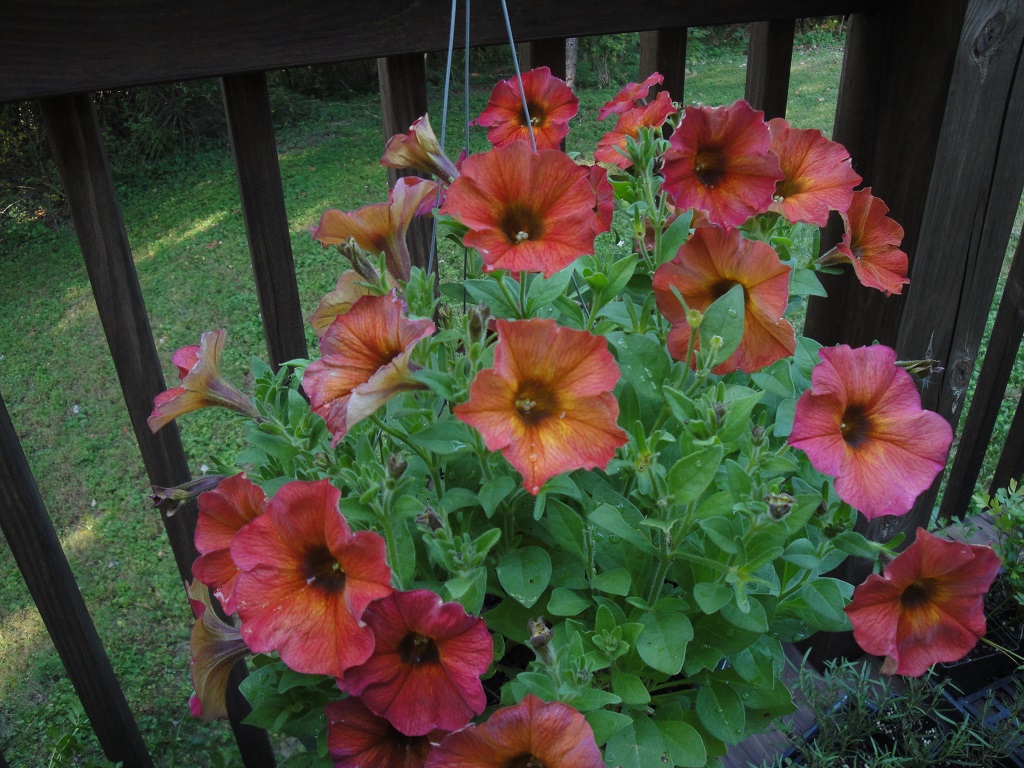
(993, 707)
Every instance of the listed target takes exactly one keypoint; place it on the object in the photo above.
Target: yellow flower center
(535, 401)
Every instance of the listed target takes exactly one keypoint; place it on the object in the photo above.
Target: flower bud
(357, 258)
(169, 500)
(479, 316)
(694, 317)
(396, 466)
(779, 504)
(429, 519)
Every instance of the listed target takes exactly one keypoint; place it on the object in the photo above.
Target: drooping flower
(531, 733)
(650, 115)
(605, 199)
(707, 266)
(214, 648)
(525, 210)
(871, 243)
(307, 579)
(351, 287)
(551, 104)
(419, 150)
(720, 162)
(862, 423)
(630, 95)
(547, 403)
(357, 738)
(819, 174)
(170, 499)
(926, 607)
(425, 670)
(202, 384)
(222, 513)
(364, 363)
(381, 227)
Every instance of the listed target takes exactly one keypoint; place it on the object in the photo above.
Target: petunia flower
(630, 95)
(202, 384)
(551, 104)
(604, 194)
(819, 174)
(419, 150)
(652, 115)
(862, 423)
(525, 210)
(214, 647)
(531, 733)
(306, 580)
(351, 287)
(425, 670)
(707, 266)
(720, 162)
(364, 363)
(871, 243)
(381, 227)
(927, 606)
(222, 513)
(357, 738)
(547, 403)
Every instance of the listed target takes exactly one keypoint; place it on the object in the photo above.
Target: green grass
(187, 235)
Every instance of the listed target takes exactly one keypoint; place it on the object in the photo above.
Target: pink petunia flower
(551, 104)
(630, 96)
(720, 162)
(214, 647)
(862, 423)
(927, 606)
(425, 670)
(357, 738)
(547, 403)
(307, 579)
(652, 115)
(419, 150)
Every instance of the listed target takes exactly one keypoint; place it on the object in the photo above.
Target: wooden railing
(931, 106)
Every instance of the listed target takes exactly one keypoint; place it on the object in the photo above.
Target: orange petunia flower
(306, 580)
(526, 211)
(927, 607)
(819, 174)
(214, 647)
(651, 115)
(357, 738)
(547, 403)
(630, 95)
(720, 162)
(364, 363)
(202, 384)
(707, 266)
(419, 150)
(551, 104)
(531, 733)
(351, 287)
(871, 243)
(381, 227)
(862, 423)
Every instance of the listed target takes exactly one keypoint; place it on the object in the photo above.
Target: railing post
(769, 60)
(664, 51)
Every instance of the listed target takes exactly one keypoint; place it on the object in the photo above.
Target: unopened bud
(169, 500)
(779, 504)
(659, 164)
(350, 250)
(757, 432)
(694, 317)
(396, 466)
(540, 640)
(716, 343)
(429, 519)
(921, 369)
(479, 316)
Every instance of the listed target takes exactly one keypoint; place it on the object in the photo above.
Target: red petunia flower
(526, 211)
(202, 384)
(425, 670)
(871, 243)
(605, 199)
(306, 580)
(631, 93)
(927, 606)
(222, 513)
(819, 174)
(862, 422)
(381, 227)
(551, 104)
(531, 733)
(365, 362)
(419, 150)
(707, 266)
(720, 162)
(547, 403)
(214, 647)
(357, 738)
(652, 115)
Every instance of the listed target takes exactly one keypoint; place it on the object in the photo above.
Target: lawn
(185, 227)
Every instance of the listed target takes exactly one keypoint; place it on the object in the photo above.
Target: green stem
(419, 451)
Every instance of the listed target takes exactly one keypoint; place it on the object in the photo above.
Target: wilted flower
(202, 384)
(652, 115)
(169, 500)
(419, 150)
(214, 648)
(357, 738)
(631, 93)
(551, 104)
(862, 422)
(927, 606)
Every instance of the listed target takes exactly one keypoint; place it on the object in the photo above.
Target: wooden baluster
(769, 61)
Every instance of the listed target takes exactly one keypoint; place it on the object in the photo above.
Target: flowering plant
(565, 511)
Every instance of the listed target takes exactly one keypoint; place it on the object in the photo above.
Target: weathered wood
(253, 743)
(251, 127)
(403, 98)
(664, 51)
(39, 556)
(1011, 460)
(1000, 356)
(43, 43)
(769, 60)
(548, 53)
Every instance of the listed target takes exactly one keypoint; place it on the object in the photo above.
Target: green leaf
(803, 282)
(662, 644)
(711, 596)
(445, 436)
(525, 573)
(685, 746)
(566, 602)
(724, 318)
(613, 582)
(740, 401)
(630, 689)
(853, 543)
(619, 273)
(486, 290)
(721, 711)
(606, 723)
(611, 520)
(644, 364)
(493, 492)
(469, 589)
(673, 238)
(692, 474)
(543, 292)
(441, 383)
(638, 745)
(565, 526)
